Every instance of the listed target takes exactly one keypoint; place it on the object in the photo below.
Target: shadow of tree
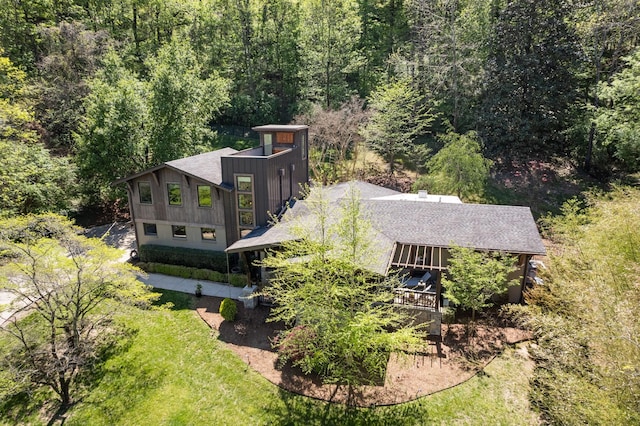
(294, 410)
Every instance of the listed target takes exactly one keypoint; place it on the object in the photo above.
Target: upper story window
(204, 196)
(144, 191)
(244, 200)
(267, 138)
(303, 146)
(175, 194)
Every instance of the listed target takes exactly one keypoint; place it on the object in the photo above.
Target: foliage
(65, 282)
(530, 85)
(189, 365)
(195, 258)
(473, 277)
(458, 168)
(237, 280)
(228, 309)
(334, 139)
(399, 114)
(115, 127)
(181, 103)
(329, 291)
(618, 121)
(588, 354)
(32, 179)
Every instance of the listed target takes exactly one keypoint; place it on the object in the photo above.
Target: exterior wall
(193, 240)
(189, 214)
(276, 178)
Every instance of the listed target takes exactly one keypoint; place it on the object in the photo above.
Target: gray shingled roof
(203, 166)
(482, 226)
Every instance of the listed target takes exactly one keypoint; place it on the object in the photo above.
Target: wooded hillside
(112, 87)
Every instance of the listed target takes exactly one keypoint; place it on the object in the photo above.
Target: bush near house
(236, 280)
(195, 258)
(228, 309)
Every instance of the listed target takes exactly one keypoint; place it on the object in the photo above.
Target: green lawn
(174, 371)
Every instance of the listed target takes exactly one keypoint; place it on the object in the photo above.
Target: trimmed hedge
(195, 258)
(236, 280)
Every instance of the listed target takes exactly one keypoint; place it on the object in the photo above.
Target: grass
(174, 371)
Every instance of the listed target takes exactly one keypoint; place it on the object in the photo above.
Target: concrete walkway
(186, 285)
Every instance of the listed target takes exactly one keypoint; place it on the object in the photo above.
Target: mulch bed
(440, 366)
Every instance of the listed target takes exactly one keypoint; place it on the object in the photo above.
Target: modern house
(224, 201)
(413, 232)
(209, 201)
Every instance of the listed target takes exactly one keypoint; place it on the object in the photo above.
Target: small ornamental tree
(65, 281)
(459, 168)
(343, 326)
(474, 277)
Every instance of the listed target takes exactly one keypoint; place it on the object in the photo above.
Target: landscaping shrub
(194, 273)
(195, 258)
(228, 309)
(296, 344)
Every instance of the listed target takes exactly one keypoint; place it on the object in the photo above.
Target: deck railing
(417, 298)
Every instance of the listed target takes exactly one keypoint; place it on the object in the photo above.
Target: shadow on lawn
(293, 410)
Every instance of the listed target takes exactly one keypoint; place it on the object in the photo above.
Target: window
(150, 229)
(244, 184)
(144, 191)
(303, 146)
(208, 234)
(245, 201)
(268, 144)
(204, 195)
(179, 231)
(175, 194)
(246, 218)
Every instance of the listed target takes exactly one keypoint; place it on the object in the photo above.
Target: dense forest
(91, 91)
(446, 92)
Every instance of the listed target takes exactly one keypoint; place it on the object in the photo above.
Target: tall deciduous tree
(618, 121)
(399, 114)
(183, 102)
(65, 284)
(32, 179)
(473, 278)
(458, 168)
(529, 80)
(345, 327)
(113, 140)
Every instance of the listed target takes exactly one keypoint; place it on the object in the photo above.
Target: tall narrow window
(204, 195)
(144, 191)
(268, 143)
(245, 204)
(303, 146)
(175, 194)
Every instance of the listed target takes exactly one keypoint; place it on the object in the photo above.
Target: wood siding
(189, 214)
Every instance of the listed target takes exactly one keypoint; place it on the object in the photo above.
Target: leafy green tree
(70, 56)
(399, 114)
(458, 168)
(345, 327)
(66, 284)
(32, 179)
(182, 103)
(473, 278)
(530, 85)
(113, 140)
(618, 121)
